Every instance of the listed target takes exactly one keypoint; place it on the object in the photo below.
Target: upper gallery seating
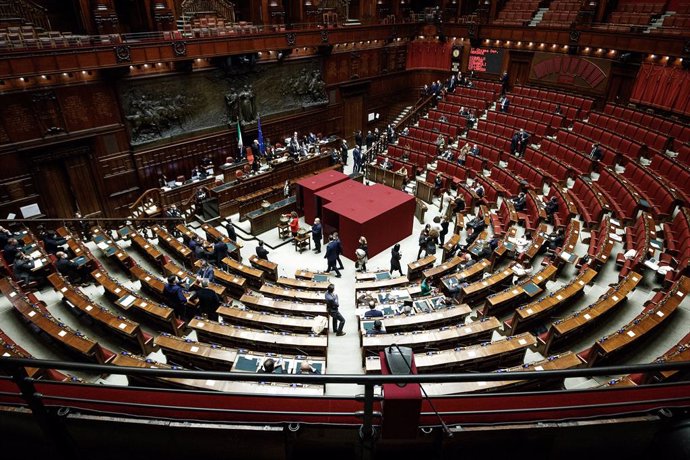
(631, 14)
(517, 13)
(561, 13)
(677, 23)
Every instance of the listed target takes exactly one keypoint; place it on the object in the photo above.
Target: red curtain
(428, 55)
(662, 87)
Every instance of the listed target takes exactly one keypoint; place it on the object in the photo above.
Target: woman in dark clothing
(395, 260)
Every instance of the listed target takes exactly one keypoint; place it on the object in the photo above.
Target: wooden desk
(376, 173)
(265, 219)
(236, 285)
(420, 341)
(360, 287)
(128, 300)
(177, 249)
(119, 326)
(264, 320)
(192, 284)
(312, 276)
(149, 250)
(213, 235)
(474, 291)
(425, 191)
(259, 303)
(451, 282)
(302, 241)
(450, 245)
(526, 289)
(567, 360)
(73, 341)
(250, 361)
(196, 354)
(415, 269)
(420, 321)
(475, 357)
(292, 294)
(260, 340)
(443, 269)
(213, 385)
(576, 322)
(303, 284)
(270, 269)
(254, 277)
(111, 250)
(642, 326)
(533, 311)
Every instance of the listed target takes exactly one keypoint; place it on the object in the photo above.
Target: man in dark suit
(370, 139)
(220, 252)
(230, 230)
(474, 150)
(67, 268)
(357, 158)
(10, 250)
(520, 202)
(358, 139)
(332, 256)
(261, 251)
(316, 235)
(208, 301)
(174, 297)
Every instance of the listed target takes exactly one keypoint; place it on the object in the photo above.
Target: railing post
(53, 430)
(367, 430)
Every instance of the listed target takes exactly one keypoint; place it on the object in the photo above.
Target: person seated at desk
(520, 272)
(464, 112)
(477, 223)
(467, 261)
(269, 366)
(373, 312)
(23, 266)
(387, 165)
(68, 268)
(488, 248)
(551, 207)
(261, 251)
(198, 173)
(311, 138)
(208, 301)
(520, 202)
(426, 288)
(377, 329)
(479, 190)
(306, 368)
(205, 271)
(172, 211)
(447, 154)
(10, 250)
(173, 293)
(52, 242)
(201, 253)
(556, 239)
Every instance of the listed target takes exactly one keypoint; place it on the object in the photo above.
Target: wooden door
(353, 118)
(57, 199)
(82, 184)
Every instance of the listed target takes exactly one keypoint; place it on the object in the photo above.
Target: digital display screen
(487, 60)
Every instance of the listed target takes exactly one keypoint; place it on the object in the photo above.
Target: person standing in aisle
(333, 305)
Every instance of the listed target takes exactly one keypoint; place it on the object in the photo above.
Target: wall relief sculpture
(168, 107)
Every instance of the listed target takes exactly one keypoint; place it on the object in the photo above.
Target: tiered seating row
(553, 169)
(583, 144)
(570, 112)
(583, 103)
(661, 200)
(680, 132)
(653, 140)
(536, 128)
(579, 163)
(622, 198)
(626, 147)
(590, 202)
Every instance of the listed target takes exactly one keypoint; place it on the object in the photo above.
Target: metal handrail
(14, 363)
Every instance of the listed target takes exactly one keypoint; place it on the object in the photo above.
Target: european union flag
(262, 148)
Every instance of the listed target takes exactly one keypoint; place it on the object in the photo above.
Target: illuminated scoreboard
(487, 60)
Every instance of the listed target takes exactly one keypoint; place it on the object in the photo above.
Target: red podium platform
(381, 214)
(306, 192)
(401, 405)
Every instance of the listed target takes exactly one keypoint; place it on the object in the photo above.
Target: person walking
(332, 256)
(339, 247)
(362, 254)
(333, 305)
(395, 259)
